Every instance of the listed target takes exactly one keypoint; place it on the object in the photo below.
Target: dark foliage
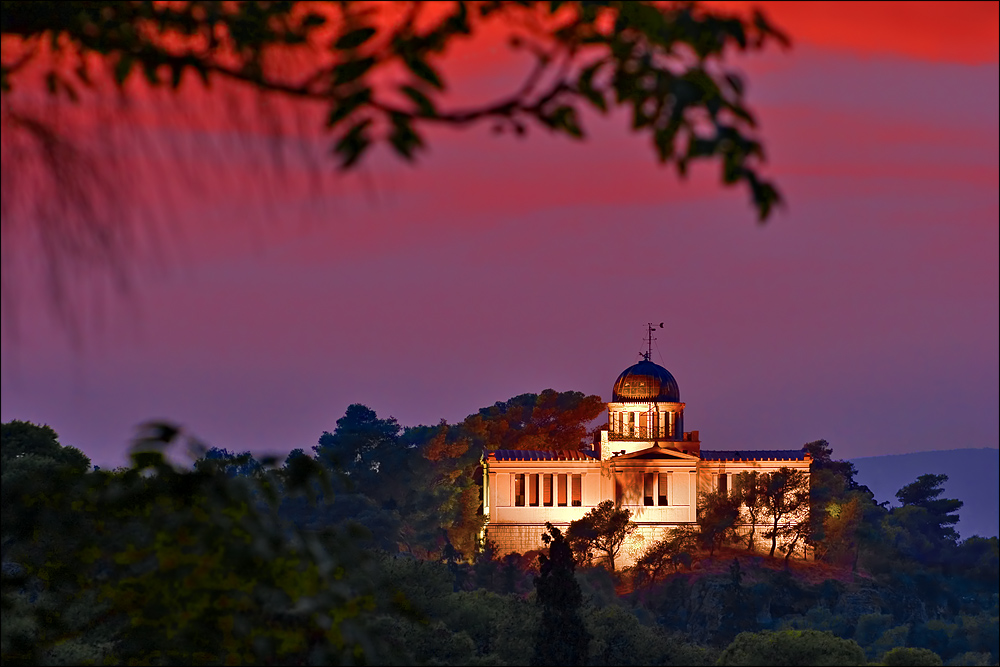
(562, 639)
(238, 560)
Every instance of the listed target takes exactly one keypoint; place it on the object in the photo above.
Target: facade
(644, 461)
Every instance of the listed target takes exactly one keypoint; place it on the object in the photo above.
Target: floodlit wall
(518, 510)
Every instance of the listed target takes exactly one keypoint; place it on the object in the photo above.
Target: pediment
(658, 454)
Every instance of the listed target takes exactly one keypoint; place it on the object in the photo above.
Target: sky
(864, 312)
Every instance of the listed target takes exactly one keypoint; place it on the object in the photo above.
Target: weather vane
(650, 328)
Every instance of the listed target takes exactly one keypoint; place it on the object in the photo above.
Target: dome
(646, 382)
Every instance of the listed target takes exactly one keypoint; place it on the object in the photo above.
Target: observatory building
(644, 461)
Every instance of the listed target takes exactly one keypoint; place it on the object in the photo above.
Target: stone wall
(520, 538)
(517, 538)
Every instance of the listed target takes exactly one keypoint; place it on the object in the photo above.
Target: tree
(293, 455)
(718, 515)
(550, 420)
(671, 551)
(749, 492)
(792, 648)
(786, 503)
(562, 639)
(359, 441)
(19, 439)
(840, 527)
(829, 483)
(924, 493)
(603, 529)
(231, 463)
(923, 527)
(822, 460)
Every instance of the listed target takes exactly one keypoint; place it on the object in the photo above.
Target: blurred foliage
(662, 63)
(173, 566)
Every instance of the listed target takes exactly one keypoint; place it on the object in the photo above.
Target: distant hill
(973, 477)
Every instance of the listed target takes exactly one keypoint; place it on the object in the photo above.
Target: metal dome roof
(646, 382)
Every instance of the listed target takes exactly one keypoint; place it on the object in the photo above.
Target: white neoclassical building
(645, 461)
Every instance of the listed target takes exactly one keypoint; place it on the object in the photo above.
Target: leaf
(354, 38)
(424, 104)
(459, 21)
(701, 147)
(176, 71)
(663, 140)
(83, 74)
(639, 118)
(152, 75)
(566, 120)
(420, 67)
(203, 73)
(351, 70)
(585, 84)
(143, 460)
(313, 20)
(765, 196)
(766, 29)
(122, 68)
(735, 82)
(353, 144)
(403, 137)
(345, 107)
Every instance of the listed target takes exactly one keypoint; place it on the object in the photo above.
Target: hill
(973, 478)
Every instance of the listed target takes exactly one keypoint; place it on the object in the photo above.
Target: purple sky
(865, 313)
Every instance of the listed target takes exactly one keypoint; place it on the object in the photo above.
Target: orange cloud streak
(963, 32)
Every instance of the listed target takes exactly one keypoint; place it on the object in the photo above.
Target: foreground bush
(792, 648)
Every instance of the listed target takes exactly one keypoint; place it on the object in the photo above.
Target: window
(647, 489)
(577, 490)
(661, 498)
(533, 490)
(547, 490)
(519, 490)
(618, 490)
(724, 484)
(562, 490)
